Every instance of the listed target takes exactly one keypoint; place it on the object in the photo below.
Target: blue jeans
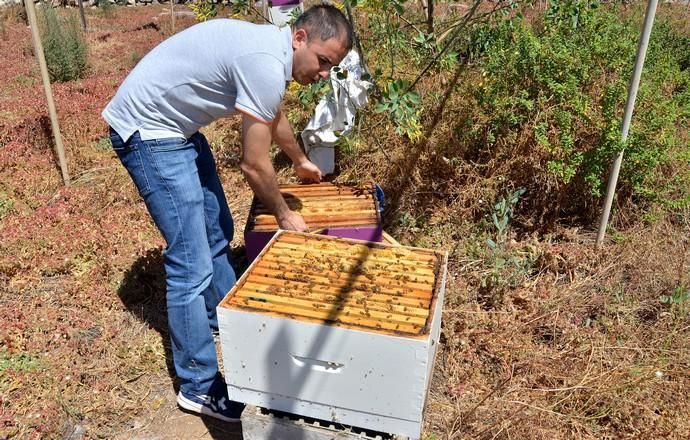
(178, 181)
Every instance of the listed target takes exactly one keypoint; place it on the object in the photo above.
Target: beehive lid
(321, 205)
(342, 282)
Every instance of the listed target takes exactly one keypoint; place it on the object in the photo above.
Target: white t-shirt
(201, 74)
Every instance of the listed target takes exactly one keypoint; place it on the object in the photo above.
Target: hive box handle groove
(317, 365)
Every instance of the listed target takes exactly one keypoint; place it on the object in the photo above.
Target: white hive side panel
(342, 369)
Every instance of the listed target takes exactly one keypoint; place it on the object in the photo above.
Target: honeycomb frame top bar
(322, 205)
(341, 282)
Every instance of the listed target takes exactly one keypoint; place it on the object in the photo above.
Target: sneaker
(218, 406)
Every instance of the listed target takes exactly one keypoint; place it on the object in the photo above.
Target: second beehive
(339, 210)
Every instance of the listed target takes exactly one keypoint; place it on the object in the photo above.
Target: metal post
(38, 48)
(627, 116)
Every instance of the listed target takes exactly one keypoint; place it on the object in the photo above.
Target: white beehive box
(335, 329)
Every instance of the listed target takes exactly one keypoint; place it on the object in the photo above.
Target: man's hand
(292, 221)
(307, 171)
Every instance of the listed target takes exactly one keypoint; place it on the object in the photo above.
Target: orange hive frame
(322, 205)
(342, 282)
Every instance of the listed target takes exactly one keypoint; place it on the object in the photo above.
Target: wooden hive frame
(321, 205)
(342, 282)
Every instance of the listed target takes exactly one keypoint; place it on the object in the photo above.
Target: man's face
(312, 59)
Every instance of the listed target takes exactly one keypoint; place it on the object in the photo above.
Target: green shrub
(203, 10)
(402, 105)
(64, 46)
(106, 8)
(553, 92)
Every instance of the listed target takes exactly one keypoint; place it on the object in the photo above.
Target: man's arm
(258, 169)
(283, 135)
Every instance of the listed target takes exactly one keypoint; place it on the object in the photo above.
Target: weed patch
(17, 362)
(64, 46)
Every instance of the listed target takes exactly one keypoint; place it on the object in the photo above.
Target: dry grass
(587, 352)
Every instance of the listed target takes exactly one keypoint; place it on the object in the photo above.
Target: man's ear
(299, 37)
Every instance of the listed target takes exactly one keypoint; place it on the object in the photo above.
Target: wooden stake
(82, 16)
(38, 48)
(172, 15)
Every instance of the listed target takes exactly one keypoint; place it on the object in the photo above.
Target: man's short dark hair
(325, 22)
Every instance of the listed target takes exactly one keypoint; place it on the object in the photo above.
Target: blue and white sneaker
(218, 406)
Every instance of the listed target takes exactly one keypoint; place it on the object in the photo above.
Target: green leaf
(413, 97)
